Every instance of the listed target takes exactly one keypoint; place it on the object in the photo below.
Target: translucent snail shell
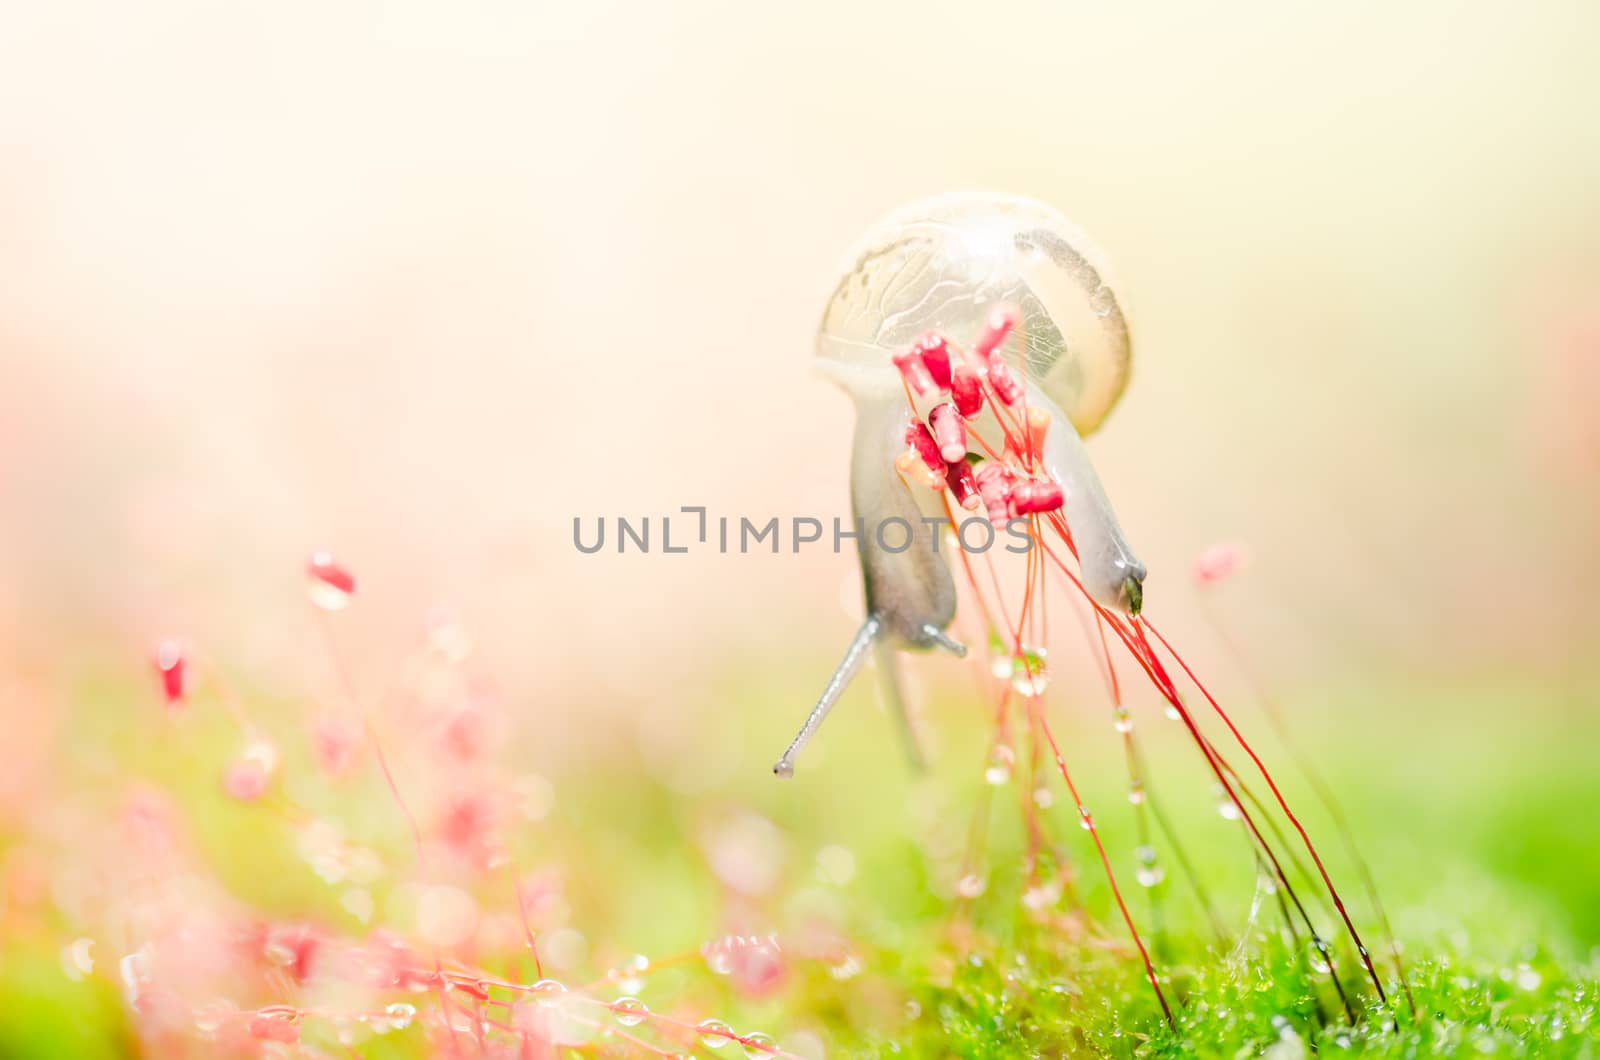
(940, 263)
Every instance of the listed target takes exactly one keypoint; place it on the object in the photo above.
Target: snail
(938, 266)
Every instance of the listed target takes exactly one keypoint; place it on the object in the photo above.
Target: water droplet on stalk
(758, 1045)
(1042, 895)
(1136, 792)
(629, 1011)
(970, 886)
(629, 975)
(1124, 720)
(1000, 762)
(547, 992)
(1030, 683)
(400, 1014)
(714, 1034)
(209, 1018)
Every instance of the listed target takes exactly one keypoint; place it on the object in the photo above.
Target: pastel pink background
(420, 283)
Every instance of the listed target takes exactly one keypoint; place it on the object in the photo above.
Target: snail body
(939, 266)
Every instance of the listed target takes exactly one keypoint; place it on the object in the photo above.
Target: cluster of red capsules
(959, 385)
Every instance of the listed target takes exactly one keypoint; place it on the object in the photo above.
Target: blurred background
(422, 283)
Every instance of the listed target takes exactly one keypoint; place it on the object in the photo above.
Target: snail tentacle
(1110, 571)
(854, 655)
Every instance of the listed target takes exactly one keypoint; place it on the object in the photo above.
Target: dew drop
(629, 975)
(77, 958)
(1172, 712)
(1002, 666)
(547, 992)
(714, 1034)
(279, 951)
(970, 886)
(845, 967)
(1033, 666)
(400, 1014)
(1320, 960)
(629, 1011)
(718, 954)
(209, 1018)
(1000, 762)
(757, 1045)
(1085, 818)
(1043, 798)
(1228, 809)
(1042, 895)
(1136, 792)
(1124, 720)
(1030, 683)
(1150, 875)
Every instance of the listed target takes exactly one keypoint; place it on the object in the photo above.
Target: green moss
(1476, 824)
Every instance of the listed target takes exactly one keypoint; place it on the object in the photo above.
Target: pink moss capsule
(994, 488)
(1031, 497)
(949, 432)
(273, 1028)
(753, 963)
(1004, 381)
(292, 947)
(963, 486)
(1001, 319)
(244, 780)
(1038, 427)
(172, 668)
(336, 741)
(1219, 563)
(935, 353)
(246, 777)
(913, 371)
(922, 442)
(967, 391)
(330, 585)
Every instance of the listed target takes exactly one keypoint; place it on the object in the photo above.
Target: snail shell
(941, 263)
